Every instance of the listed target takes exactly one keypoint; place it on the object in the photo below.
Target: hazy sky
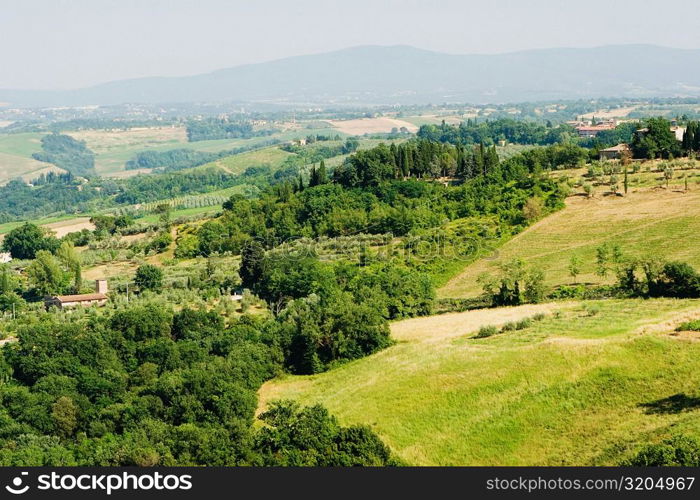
(75, 43)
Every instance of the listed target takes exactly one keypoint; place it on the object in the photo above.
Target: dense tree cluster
(69, 154)
(622, 133)
(317, 152)
(170, 160)
(651, 277)
(60, 194)
(215, 128)
(691, 138)
(491, 132)
(656, 140)
(173, 160)
(26, 240)
(310, 437)
(20, 200)
(515, 284)
(147, 188)
(426, 158)
(143, 386)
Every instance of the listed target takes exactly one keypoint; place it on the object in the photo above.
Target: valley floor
(586, 385)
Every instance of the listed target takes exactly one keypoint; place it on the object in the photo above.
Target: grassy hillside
(586, 385)
(16, 157)
(114, 148)
(237, 164)
(651, 222)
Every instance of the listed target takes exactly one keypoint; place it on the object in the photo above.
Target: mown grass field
(61, 222)
(433, 119)
(588, 385)
(361, 126)
(658, 222)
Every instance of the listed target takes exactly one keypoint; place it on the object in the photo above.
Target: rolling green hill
(114, 147)
(16, 157)
(647, 222)
(587, 385)
(237, 164)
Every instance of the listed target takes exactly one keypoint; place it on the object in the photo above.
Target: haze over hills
(405, 75)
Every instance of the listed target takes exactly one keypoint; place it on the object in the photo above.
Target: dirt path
(451, 325)
(62, 228)
(670, 323)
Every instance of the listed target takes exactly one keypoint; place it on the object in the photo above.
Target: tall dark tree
(322, 173)
(313, 177)
(251, 269)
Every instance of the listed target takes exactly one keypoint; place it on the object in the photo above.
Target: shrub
(677, 279)
(568, 292)
(591, 309)
(523, 323)
(517, 284)
(680, 451)
(486, 331)
(510, 326)
(460, 305)
(160, 243)
(689, 326)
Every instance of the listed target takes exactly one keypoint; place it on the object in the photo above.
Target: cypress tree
(313, 177)
(491, 160)
(5, 282)
(321, 174)
(480, 159)
(689, 138)
(406, 166)
(77, 278)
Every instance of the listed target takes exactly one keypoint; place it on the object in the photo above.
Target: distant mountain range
(405, 75)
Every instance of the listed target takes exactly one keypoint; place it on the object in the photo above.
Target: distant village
(591, 128)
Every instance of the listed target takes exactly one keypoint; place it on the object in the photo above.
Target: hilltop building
(614, 152)
(98, 298)
(592, 130)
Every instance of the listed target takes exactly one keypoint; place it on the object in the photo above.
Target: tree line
(173, 160)
(216, 128)
(67, 153)
(490, 132)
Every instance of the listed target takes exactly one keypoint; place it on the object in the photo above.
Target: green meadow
(659, 222)
(587, 385)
